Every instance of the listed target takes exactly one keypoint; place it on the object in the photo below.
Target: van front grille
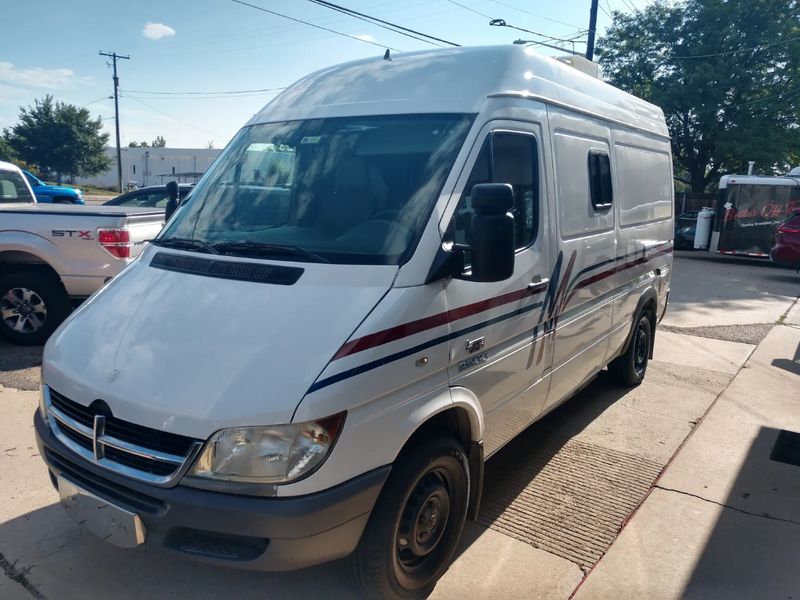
(139, 452)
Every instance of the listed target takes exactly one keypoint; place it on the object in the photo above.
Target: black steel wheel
(630, 368)
(414, 529)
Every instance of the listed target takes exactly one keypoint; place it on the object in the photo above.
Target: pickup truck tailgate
(85, 245)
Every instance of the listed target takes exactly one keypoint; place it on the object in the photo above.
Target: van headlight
(271, 454)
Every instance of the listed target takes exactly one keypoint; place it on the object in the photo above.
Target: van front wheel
(416, 524)
(630, 368)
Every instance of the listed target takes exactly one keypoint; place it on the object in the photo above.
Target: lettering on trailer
(771, 210)
(83, 235)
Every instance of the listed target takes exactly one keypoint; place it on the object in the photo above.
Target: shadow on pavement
(789, 364)
(19, 365)
(64, 563)
(752, 550)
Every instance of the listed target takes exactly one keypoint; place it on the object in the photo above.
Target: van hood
(191, 354)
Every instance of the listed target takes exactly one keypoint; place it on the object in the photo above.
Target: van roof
(455, 80)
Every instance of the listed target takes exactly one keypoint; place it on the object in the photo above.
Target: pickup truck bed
(54, 255)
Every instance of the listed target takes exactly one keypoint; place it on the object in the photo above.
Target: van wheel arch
(454, 421)
(648, 303)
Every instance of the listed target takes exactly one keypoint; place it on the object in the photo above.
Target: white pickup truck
(52, 256)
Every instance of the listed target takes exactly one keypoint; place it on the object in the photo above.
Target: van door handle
(538, 282)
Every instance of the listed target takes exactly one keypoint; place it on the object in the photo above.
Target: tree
(6, 151)
(60, 138)
(159, 142)
(136, 144)
(210, 144)
(726, 74)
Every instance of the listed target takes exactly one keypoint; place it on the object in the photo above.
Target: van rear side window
(600, 188)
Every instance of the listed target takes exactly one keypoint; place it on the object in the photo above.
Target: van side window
(600, 190)
(505, 158)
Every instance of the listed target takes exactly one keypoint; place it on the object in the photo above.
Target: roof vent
(584, 65)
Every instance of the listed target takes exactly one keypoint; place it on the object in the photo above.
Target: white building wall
(154, 166)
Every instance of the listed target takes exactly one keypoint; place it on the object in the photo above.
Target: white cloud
(156, 31)
(366, 37)
(36, 77)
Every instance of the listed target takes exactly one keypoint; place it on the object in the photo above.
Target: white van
(391, 271)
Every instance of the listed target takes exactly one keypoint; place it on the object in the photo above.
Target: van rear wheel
(630, 368)
(416, 524)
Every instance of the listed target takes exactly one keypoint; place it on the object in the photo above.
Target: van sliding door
(582, 307)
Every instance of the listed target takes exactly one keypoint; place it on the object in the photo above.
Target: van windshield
(350, 190)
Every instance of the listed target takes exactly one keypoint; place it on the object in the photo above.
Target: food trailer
(748, 210)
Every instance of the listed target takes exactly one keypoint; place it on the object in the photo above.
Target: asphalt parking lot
(555, 499)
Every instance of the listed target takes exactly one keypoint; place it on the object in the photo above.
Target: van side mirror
(172, 201)
(492, 235)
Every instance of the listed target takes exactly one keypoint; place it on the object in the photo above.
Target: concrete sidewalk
(723, 520)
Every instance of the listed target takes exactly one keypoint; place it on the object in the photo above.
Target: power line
(366, 20)
(192, 98)
(153, 108)
(277, 89)
(470, 9)
(502, 23)
(739, 50)
(377, 21)
(98, 100)
(497, 22)
(347, 35)
(600, 6)
(545, 44)
(535, 14)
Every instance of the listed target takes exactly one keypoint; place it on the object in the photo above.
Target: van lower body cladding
(269, 534)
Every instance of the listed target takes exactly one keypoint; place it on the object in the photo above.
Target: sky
(186, 54)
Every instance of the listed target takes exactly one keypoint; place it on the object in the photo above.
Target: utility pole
(115, 57)
(592, 28)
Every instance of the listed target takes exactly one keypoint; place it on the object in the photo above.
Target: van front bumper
(269, 534)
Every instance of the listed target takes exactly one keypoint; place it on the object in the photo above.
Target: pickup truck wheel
(630, 368)
(415, 526)
(32, 305)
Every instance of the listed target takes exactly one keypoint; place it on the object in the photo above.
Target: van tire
(428, 481)
(45, 298)
(630, 368)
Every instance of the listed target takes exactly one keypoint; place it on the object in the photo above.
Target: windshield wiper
(244, 248)
(184, 244)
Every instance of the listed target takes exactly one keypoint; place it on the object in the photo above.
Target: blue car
(53, 193)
